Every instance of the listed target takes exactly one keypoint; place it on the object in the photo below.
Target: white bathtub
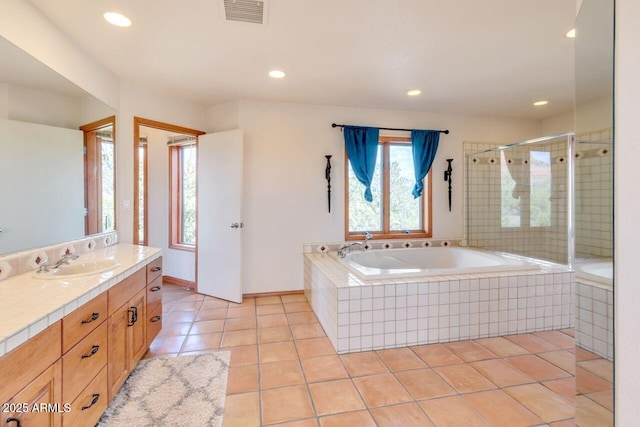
(600, 271)
(419, 262)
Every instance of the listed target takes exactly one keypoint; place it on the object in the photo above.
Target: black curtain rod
(333, 125)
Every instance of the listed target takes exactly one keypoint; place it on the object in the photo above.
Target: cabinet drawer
(125, 290)
(84, 320)
(154, 270)
(81, 364)
(154, 323)
(154, 293)
(23, 364)
(88, 407)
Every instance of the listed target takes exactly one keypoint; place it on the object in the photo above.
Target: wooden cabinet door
(39, 403)
(118, 349)
(127, 340)
(137, 331)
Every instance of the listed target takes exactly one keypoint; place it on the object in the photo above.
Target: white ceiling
(490, 57)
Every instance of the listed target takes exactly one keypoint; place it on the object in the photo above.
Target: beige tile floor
(285, 372)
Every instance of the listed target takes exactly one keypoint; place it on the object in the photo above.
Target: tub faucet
(347, 247)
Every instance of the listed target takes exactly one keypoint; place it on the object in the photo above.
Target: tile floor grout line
(313, 405)
(384, 363)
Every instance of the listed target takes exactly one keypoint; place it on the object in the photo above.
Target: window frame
(175, 199)
(142, 163)
(427, 206)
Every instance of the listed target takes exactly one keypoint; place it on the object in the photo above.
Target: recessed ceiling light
(540, 103)
(117, 19)
(277, 74)
(414, 92)
(571, 34)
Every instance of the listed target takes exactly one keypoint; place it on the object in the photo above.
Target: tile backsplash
(29, 260)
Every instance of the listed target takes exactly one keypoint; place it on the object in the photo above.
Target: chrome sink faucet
(64, 260)
(43, 267)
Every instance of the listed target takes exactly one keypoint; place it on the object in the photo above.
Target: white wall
(47, 108)
(627, 207)
(92, 109)
(41, 171)
(176, 263)
(595, 115)
(31, 105)
(555, 125)
(140, 102)
(285, 200)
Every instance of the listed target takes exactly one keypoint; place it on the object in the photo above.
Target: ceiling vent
(251, 11)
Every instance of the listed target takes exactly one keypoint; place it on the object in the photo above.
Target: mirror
(43, 166)
(594, 213)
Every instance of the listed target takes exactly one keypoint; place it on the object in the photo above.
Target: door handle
(237, 225)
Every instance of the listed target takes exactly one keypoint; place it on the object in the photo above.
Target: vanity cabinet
(76, 366)
(39, 386)
(126, 328)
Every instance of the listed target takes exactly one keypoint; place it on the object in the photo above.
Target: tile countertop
(30, 305)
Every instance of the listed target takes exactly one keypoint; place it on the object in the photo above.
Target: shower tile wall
(485, 193)
(594, 194)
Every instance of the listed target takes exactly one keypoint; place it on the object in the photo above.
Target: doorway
(164, 206)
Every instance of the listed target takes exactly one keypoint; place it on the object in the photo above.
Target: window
(108, 185)
(510, 204)
(142, 191)
(183, 197)
(540, 184)
(99, 175)
(522, 208)
(393, 213)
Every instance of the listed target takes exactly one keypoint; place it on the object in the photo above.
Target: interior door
(219, 227)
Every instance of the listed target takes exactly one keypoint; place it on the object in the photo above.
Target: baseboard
(192, 285)
(180, 282)
(272, 294)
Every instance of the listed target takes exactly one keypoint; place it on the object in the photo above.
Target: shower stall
(551, 199)
(520, 198)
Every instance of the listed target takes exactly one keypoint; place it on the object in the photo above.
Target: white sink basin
(79, 269)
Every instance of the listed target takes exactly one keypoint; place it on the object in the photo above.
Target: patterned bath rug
(184, 391)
